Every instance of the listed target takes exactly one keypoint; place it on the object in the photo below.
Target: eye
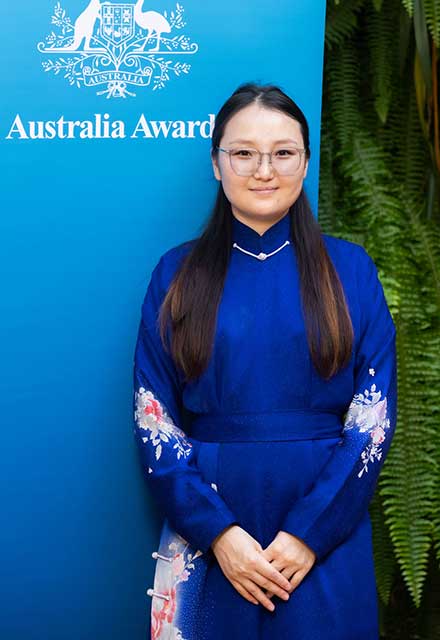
(287, 153)
(243, 153)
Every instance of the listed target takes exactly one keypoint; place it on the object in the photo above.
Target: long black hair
(191, 303)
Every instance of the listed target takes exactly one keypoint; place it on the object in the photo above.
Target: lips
(265, 189)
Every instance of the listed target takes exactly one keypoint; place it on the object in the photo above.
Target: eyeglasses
(245, 162)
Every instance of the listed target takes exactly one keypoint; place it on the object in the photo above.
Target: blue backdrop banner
(105, 122)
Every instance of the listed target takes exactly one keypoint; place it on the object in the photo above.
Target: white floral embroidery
(168, 576)
(152, 417)
(368, 412)
(371, 372)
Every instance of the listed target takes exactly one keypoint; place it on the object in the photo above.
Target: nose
(265, 169)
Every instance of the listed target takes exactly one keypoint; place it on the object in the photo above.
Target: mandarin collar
(250, 240)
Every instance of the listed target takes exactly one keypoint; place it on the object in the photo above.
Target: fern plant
(380, 187)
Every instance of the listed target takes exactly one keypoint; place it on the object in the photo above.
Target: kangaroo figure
(85, 24)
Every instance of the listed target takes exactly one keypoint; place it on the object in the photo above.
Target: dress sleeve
(193, 507)
(336, 503)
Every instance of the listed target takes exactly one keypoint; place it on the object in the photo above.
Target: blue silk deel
(267, 444)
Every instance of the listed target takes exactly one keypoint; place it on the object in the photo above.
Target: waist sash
(264, 427)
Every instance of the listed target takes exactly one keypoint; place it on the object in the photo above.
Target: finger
(266, 584)
(255, 590)
(274, 576)
(287, 573)
(243, 592)
(297, 578)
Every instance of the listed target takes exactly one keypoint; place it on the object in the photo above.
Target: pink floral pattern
(170, 573)
(152, 417)
(368, 413)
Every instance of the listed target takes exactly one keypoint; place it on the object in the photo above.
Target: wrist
(221, 534)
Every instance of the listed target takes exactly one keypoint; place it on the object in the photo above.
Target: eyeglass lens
(284, 161)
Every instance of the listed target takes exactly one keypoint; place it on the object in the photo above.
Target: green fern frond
(327, 184)
(427, 253)
(343, 92)
(435, 514)
(341, 21)
(375, 168)
(409, 497)
(391, 240)
(432, 16)
(384, 558)
(375, 210)
(409, 6)
(403, 140)
(383, 55)
(428, 236)
(429, 615)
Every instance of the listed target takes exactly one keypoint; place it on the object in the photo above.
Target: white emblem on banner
(118, 45)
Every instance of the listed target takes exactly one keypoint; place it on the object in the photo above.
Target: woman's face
(262, 129)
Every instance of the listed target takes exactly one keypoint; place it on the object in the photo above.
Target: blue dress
(261, 440)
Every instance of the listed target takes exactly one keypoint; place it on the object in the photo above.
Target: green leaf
(432, 13)
(422, 43)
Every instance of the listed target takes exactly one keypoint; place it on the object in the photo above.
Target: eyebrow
(253, 142)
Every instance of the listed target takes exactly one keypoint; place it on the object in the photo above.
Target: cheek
(292, 187)
(234, 187)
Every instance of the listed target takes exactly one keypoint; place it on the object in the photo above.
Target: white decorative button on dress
(151, 592)
(157, 555)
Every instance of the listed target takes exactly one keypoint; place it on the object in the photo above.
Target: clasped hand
(279, 568)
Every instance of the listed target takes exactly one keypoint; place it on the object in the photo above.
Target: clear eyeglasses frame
(247, 161)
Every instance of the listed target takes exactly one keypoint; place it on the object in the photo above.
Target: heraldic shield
(117, 24)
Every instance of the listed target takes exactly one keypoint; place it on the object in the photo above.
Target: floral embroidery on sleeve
(368, 412)
(152, 417)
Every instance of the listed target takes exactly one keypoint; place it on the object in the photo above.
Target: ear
(306, 166)
(215, 168)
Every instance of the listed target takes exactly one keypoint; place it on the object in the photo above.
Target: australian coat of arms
(115, 47)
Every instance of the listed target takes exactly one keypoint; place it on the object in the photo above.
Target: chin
(270, 209)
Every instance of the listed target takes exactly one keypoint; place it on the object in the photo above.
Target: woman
(265, 401)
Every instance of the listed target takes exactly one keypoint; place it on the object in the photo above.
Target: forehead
(260, 125)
